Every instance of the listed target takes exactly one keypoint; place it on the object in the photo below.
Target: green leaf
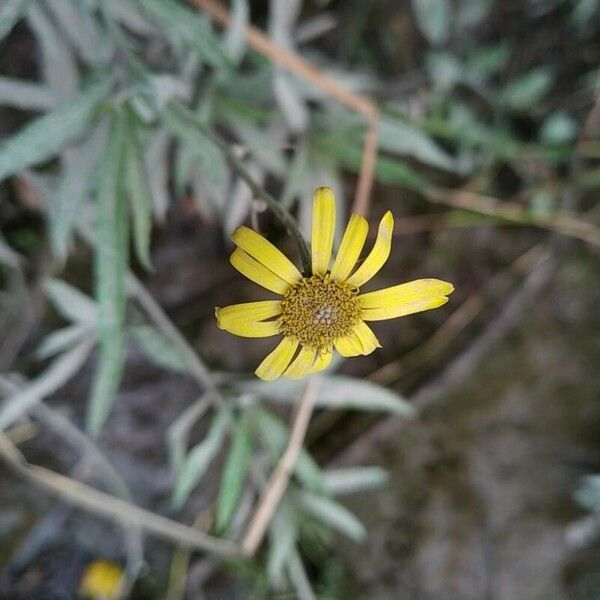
(275, 436)
(159, 349)
(433, 19)
(390, 171)
(200, 457)
(140, 201)
(403, 139)
(235, 38)
(62, 340)
(335, 391)
(55, 376)
(58, 65)
(111, 270)
(528, 90)
(46, 136)
(234, 475)
(73, 189)
(26, 94)
(72, 304)
(188, 26)
(559, 128)
(10, 13)
(283, 534)
(201, 153)
(354, 479)
(333, 515)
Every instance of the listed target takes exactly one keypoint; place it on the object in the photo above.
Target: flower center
(316, 311)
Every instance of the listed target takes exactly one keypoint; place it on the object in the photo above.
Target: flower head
(324, 310)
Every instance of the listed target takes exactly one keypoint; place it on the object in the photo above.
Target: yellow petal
(401, 310)
(302, 364)
(378, 255)
(404, 293)
(322, 361)
(350, 248)
(258, 273)
(348, 345)
(247, 312)
(368, 340)
(277, 361)
(265, 253)
(323, 228)
(252, 329)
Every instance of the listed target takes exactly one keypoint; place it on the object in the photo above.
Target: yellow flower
(101, 580)
(323, 310)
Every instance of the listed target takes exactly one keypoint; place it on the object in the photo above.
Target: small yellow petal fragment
(247, 312)
(277, 361)
(323, 229)
(302, 364)
(348, 346)
(391, 312)
(101, 580)
(258, 273)
(378, 255)
(405, 293)
(368, 340)
(322, 361)
(350, 248)
(266, 253)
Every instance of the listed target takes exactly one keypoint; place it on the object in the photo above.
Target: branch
(110, 507)
(280, 477)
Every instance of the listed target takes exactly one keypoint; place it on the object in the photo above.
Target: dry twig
(110, 507)
(280, 477)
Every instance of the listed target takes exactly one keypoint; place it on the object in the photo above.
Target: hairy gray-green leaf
(74, 186)
(333, 515)
(83, 31)
(354, 479)
(44, 137)
(72, 304)
(403, 139)
(335, 391)
(275, 436)
(202, 154)
(298, 577)
(235, 37)
(62, 340)
(186, 25)
(200, 457)
(59, 68)
(283, 533)
(433, 19)
(111, 270)
(45, 384)
(11, 11)
(156, 160)
(234, 475)
(159, 348)
(140, 202)
(26, 94)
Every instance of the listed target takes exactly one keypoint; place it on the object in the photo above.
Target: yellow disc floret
(316, 311)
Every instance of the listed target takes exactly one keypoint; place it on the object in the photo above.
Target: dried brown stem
(280, 477)
(107, 506)
(291, 62)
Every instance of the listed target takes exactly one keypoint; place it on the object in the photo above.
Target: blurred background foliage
(116, 202)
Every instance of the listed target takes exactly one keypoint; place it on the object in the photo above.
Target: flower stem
(284, 216)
